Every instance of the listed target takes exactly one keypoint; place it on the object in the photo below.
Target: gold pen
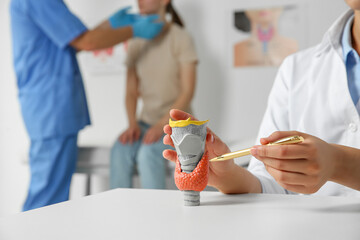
(244, 152)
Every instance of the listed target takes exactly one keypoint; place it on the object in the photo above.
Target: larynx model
(192, 166)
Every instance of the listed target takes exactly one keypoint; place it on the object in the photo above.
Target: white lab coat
(311, 95)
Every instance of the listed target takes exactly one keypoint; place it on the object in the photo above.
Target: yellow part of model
(184, 123)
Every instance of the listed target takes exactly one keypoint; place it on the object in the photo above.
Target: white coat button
(353, 127)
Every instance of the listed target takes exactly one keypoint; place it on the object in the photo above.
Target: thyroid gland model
(192, 165)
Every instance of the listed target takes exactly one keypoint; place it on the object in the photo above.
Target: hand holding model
(191, 175)
(213, 147)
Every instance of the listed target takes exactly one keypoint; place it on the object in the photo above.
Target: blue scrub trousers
(148, 159)
(52, 164)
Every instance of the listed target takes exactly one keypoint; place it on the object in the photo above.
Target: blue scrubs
(51, 93)
(52, 164)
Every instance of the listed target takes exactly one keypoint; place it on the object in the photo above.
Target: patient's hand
(130, 135)
(153, 134)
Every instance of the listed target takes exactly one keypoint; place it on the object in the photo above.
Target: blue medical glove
(122, 18)
(146, 27)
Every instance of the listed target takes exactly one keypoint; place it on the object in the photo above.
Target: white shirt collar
(332, 38)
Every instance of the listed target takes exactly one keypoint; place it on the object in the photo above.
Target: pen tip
(216, 159)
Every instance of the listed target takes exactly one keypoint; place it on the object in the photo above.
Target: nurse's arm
(101, 37)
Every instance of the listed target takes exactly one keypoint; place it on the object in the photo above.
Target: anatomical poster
(264, 36)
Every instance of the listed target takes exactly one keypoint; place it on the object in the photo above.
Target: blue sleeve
(55, 20)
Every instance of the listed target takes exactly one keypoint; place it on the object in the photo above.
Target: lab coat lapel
(329, 77)
(328, 74)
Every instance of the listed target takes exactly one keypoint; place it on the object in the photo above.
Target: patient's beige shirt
(157, 63)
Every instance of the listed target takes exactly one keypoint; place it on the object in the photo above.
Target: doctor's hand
(214, 146)
(147, 27)
(122, 18)
(130, 135)
(302, 168)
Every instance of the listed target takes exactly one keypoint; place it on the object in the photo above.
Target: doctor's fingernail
(253, 151)
(212, 139)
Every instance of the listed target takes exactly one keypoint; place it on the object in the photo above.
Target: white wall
(234, 108)
(13, 140)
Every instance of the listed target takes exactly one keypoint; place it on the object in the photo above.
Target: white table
(160, 214)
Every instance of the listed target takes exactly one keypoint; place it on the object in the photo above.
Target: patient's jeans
(146, 157)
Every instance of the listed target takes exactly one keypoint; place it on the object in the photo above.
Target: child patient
(162, 73)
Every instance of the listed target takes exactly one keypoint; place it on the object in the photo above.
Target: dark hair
(242, 22)
(174, 16)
